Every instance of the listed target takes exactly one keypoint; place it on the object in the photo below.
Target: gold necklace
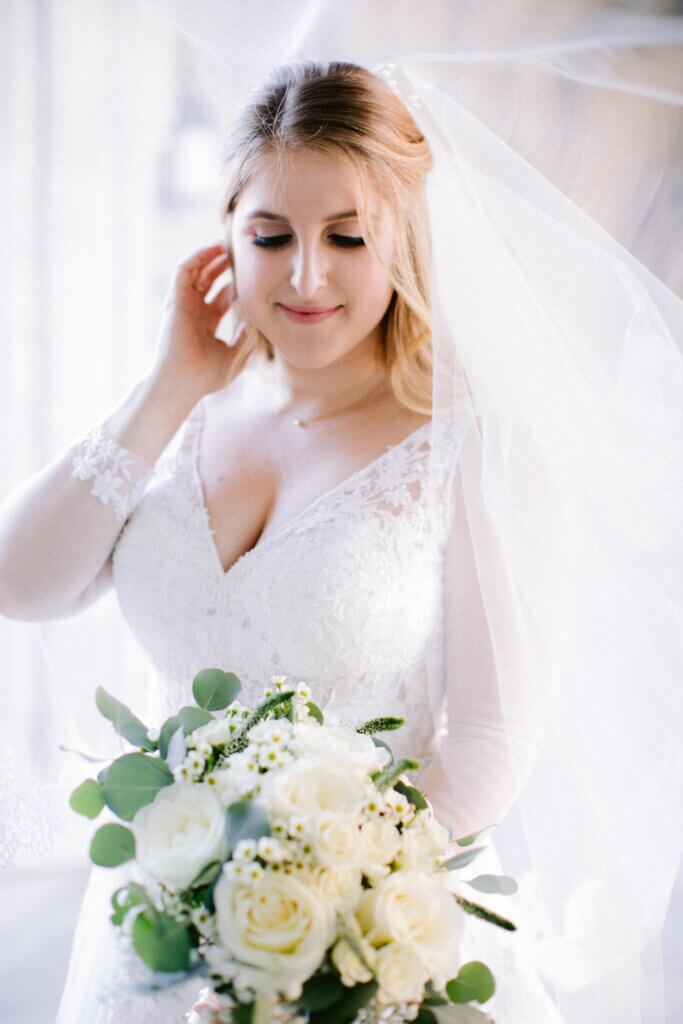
(298, 422)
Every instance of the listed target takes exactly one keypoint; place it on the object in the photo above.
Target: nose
(309, 269)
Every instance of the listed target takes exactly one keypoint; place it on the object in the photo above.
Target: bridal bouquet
(288, 861)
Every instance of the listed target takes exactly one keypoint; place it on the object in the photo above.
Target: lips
(309, 310)
(307, 316)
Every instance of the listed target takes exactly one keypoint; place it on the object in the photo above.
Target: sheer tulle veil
(558, 406)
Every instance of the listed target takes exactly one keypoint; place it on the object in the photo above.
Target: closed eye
(275, 241)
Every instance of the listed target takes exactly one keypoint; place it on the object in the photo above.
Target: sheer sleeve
(487, 744)
(118, 476)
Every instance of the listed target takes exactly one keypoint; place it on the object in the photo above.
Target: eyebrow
(267, 215)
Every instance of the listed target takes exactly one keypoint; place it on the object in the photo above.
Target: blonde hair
(342, 110)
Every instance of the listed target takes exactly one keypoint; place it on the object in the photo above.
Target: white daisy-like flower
(269, 756)
(245, 850)
(153, 734)
(279, 827)
(296, 827)
(254, 872)
(271, 849)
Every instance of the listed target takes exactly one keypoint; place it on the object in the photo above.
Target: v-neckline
(198, 494)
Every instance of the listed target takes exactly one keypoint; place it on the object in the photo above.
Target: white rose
(179, 833)
(278, 930)
(401, 976)
(340, 745)
(352, 971)
(336, 839)
(380, 842)
(341, 886)
(307, 788)
(416, 911)
(422, 843)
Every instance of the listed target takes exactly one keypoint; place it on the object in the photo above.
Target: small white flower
(279, 827)
(254, 872)
(271, 849)
(303, 691)
(269, 756)
(296, 827)
(245, 850)
(153, 734)
(278, 681)
(234, 869)
(268, 692)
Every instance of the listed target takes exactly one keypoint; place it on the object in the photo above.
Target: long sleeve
(487, 746)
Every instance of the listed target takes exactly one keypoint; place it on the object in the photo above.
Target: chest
(254, 477)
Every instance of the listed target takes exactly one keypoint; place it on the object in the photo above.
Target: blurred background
(111, 123)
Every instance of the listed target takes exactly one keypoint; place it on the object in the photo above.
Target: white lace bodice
(344, 596)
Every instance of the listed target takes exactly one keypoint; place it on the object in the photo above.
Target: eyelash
(276, 241)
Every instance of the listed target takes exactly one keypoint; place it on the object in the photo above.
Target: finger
(223, 300)
(208, 274)
(188, 269)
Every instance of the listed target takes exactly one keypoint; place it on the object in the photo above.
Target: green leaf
(132, 782)
(413, 794)
(207, 874)
(473, 981)
(425, 1016)
(346, 1008)
(315, 712)
(189, 717)
(124, 899)
(88, 798)
(162, 943)
(461, 860)
(391, 774)
(122, 718)
(213, 689)
(102, 773)
(320, 991)
(112, 845)
(245, 820)
(503, 885)
(468, 840)
(243, 1013)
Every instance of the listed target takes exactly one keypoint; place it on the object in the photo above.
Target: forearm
(55, 534)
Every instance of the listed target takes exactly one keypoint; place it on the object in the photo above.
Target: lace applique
(119, 476)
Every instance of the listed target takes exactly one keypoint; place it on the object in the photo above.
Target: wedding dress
(347, 596)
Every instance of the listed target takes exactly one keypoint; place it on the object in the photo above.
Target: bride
(312, 499)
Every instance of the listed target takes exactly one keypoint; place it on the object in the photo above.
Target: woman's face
(308, 255)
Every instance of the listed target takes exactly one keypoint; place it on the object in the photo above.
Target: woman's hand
(188, 353)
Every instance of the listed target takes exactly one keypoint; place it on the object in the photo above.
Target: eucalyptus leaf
(132, 782)
(189, 717)
(207, 874)
(122, 718)
(320, 991)
(461, 860)
(473, 981)
(126, 898)
(503, 885)
(346, 1008)
(213, 689)
(88, 798)
(245, 820)
(112, 845)
(161, 942)
(425, 1016)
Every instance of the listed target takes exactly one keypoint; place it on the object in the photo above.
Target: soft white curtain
(110, 128)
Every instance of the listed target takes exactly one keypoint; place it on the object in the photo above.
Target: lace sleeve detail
(119, 477)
